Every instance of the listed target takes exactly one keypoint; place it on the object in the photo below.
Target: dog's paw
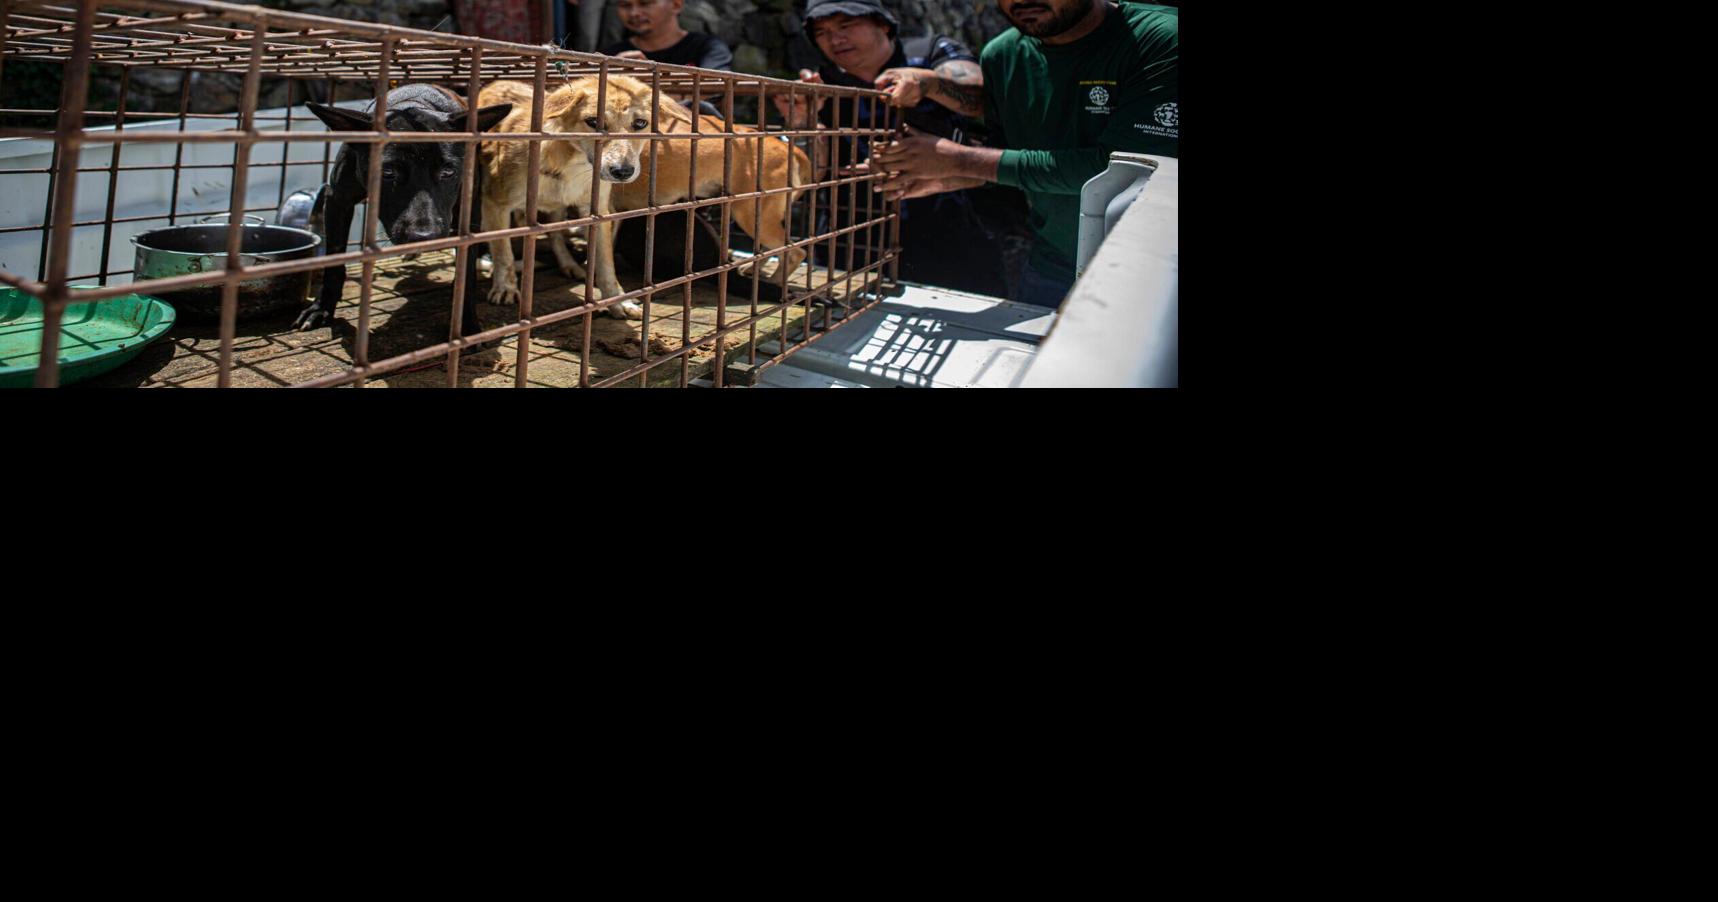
(313, 317)
(628, 309)
(504, 295)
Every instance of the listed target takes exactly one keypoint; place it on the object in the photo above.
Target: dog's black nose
(622, 172)
(411, 236)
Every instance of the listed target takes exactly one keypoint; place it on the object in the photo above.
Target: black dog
(420, 185)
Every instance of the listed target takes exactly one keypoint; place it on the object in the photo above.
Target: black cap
(817, 9)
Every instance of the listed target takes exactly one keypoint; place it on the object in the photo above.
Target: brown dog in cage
(784, 165)
(566, 170)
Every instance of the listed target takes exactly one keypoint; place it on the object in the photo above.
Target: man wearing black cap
(936, 82)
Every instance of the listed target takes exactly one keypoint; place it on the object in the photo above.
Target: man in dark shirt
(954, 240)
(655, 34)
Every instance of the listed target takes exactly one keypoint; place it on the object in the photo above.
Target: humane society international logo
(1168, 119)
(1099, 97)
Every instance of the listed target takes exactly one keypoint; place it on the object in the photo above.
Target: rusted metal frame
(864, 236)
(468, 196)
(119, 25)
(229, 136)
(113, 176)
(852, 213)
(592, 232)
(235, 234)
(691, 226)
(811, 202)
(273, 269)
(501, 332)
(291, 22)
(133, 114)
(28, 286)
(727, 220)
(372, 210)
(873, 207)
(534, 157)
(63, 195)
(172, 47)
(892, 211)
(179, 149)
(649, 226)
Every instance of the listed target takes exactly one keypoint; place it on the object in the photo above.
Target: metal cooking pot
(178, 250)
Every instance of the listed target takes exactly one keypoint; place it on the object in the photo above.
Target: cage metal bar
(260, 137)
(594, 233)
(372, 211)
(691, 226)
(235, 233)
(527, 283)
(649, 228)
(63, 196)
(758, 217)
(727, 219)
(469, 203)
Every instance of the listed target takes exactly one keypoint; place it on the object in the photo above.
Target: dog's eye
(390, 173)
(448, 172)
(639, 124)
(592, 122)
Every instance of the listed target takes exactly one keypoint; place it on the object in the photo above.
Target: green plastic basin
(94, 337)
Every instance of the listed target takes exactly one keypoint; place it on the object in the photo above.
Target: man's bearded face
(1045, 18)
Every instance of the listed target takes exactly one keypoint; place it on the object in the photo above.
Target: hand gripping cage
(852, 234)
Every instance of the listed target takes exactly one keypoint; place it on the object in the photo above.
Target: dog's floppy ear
(490, 116)
(668, 109)
(559, 102)
(340, 119)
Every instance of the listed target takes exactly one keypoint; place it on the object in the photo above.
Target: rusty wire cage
(851, 235)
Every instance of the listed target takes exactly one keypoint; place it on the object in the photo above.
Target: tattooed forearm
(960, 87)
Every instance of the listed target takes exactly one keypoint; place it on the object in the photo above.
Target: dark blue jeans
(1040, 290)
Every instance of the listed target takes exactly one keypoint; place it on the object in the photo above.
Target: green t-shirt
(1062, 109)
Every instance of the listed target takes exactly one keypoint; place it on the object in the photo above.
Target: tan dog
(784, 165)
(566, 170)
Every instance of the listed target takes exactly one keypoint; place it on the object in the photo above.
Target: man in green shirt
(1071, 82)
